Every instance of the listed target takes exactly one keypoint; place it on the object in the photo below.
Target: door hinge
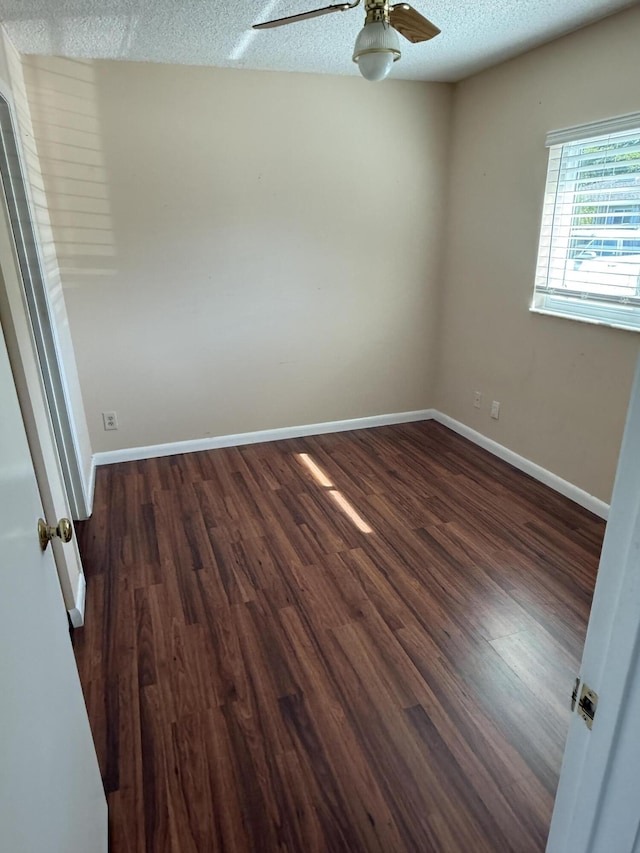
(587, 704)
(574, 695)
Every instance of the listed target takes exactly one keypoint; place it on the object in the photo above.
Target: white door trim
(18, 333)
(27, 248)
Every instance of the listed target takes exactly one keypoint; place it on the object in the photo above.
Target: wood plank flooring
(353, 642)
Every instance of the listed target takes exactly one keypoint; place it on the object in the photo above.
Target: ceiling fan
(377, 46)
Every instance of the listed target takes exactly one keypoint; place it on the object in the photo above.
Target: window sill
(590, 320)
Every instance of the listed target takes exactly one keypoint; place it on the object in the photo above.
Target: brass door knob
(47, 532)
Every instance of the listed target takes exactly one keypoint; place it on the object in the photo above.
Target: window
(589, 252)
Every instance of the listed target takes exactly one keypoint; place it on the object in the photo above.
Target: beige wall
(563, 385)
(242, 251)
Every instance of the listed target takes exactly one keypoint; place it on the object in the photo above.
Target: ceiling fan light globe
(377, 47)
(375, 66)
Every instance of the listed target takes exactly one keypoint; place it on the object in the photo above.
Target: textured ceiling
(475, 33)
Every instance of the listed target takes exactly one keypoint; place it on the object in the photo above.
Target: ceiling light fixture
(377, 46)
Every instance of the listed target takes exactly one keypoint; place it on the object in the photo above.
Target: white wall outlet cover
(477, 400)
(110, 420)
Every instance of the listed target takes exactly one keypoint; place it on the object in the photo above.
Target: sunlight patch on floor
(321, 478)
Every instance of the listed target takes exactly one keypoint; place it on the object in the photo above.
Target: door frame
(22, 220)
(28, 378)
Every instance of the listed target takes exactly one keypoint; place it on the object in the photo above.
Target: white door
(597, 807)
(51, 796)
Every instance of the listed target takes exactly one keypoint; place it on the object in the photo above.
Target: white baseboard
(579, 496)
(76, 614)
(130, 454)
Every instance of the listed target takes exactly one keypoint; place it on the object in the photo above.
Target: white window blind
(589, 252)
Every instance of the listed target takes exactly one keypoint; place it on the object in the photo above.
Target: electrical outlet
(495, 410)
(477, 400)
(110, 420)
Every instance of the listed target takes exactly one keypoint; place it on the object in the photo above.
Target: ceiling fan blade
(411, 24)
(303, 16)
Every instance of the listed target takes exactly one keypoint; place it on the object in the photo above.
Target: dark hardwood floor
(354, 642)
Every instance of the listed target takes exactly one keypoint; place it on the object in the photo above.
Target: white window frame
(556, 223)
